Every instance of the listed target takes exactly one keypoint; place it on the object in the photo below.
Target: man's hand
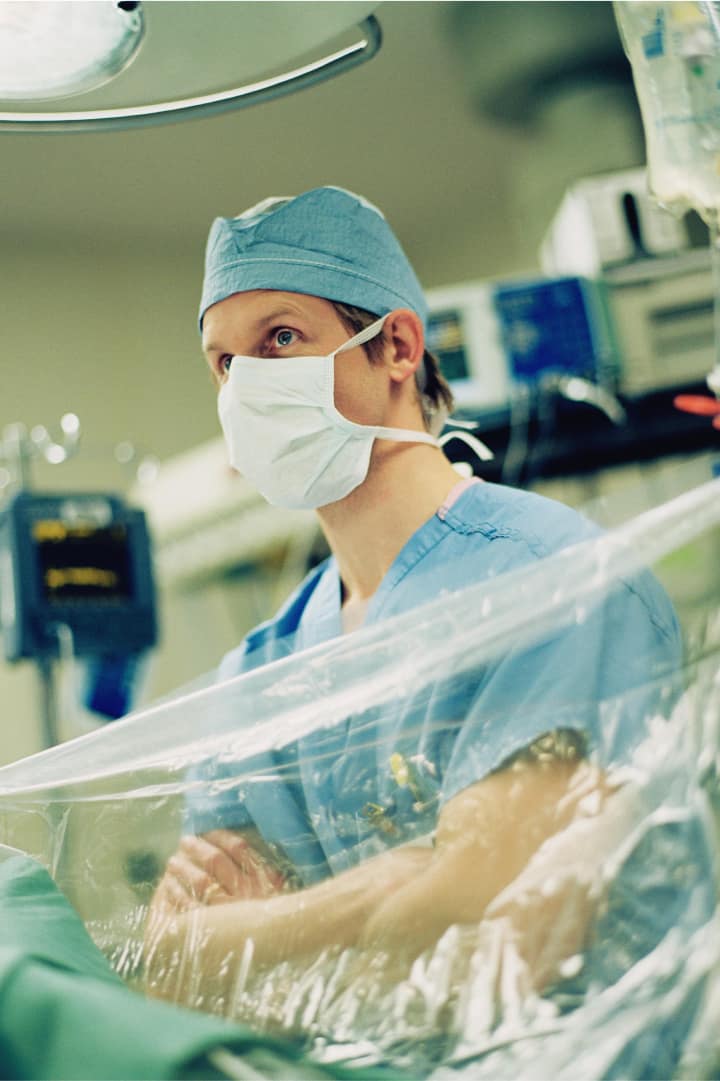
(489, 837)
(220, 866)
(197, 952)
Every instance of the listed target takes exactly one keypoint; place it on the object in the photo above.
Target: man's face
(269, 323)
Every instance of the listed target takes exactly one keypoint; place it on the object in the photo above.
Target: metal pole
(48, 701)
(15, 449)
(59, 853)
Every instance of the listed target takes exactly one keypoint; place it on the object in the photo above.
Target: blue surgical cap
(326, 243)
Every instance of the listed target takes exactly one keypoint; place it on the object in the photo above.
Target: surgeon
(386, 830)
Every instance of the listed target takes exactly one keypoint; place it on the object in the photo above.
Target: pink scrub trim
(454, 494)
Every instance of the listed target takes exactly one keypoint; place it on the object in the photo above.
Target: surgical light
(50, 49)
(74, 65)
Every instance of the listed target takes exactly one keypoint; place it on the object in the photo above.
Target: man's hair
(433, 391)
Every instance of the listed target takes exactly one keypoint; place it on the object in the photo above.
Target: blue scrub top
(380, 778)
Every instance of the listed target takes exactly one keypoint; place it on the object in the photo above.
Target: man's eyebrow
(274, 316)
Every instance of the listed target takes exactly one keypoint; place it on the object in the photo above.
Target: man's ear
(405, 343)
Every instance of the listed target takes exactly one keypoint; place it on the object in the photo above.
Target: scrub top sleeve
(602, 679)
(234, 791)
(215, 796)
(212, 799)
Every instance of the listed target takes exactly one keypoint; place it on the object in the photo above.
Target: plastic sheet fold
(569, 709)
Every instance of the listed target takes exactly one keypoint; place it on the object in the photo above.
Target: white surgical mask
(285, 435)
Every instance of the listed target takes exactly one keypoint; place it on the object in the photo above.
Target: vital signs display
(79, 562)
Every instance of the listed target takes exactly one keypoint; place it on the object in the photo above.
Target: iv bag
(674, 51)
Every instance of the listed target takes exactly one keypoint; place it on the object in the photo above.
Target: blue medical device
(79, 564)
(556, 325)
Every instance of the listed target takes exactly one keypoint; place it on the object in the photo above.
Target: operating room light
(108, 65)
(50, 49)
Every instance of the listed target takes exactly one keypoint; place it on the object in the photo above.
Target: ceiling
(419, 130)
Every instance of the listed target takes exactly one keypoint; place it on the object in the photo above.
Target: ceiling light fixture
(139, 64)
(50, 50)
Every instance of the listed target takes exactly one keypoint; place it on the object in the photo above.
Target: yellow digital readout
(53, 530)
(61, 577)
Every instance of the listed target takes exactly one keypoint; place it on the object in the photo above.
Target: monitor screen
(82, 563)
(446, 341)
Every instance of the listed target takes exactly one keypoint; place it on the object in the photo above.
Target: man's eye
(224, 364)
(284, 337)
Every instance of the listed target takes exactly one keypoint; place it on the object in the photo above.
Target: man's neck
(405, 486)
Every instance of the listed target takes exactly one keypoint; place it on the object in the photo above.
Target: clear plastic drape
(343, 768)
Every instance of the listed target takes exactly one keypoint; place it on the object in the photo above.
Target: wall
(108, 334)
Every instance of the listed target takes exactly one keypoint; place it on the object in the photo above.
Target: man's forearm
(546, 899)
(401, 903)
(201, 950)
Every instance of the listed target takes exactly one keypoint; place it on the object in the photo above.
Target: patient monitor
(79, 562)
